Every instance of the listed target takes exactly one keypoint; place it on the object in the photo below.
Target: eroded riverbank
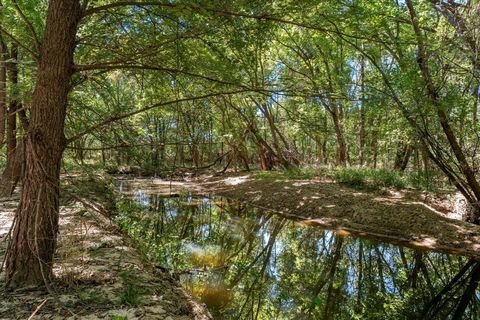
(99, 275)
(245, 262)
(403, 217)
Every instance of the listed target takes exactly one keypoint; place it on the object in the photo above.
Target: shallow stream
(247, 263)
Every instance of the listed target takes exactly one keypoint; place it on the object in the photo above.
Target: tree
(29, 260)
(290, 82)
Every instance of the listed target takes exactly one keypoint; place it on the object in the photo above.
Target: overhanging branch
(121, 116)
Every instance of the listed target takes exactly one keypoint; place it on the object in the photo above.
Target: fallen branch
(38, 309)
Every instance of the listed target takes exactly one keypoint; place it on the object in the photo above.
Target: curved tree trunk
(29, 260)
(13, 170)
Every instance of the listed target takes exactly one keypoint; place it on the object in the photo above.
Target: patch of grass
(132, 292)
(268, 175)
(350, 177)
(429, 180)
(370, 179)
(89, 297)
(302, 173)
(116, 317)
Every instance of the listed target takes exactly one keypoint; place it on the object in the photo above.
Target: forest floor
(99, 275)
(407, 217)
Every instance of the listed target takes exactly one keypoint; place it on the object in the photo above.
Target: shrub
(351, 177)
(372, 179)
(425, 180)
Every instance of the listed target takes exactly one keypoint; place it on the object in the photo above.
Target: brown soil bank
(99, 275)
(394, 216)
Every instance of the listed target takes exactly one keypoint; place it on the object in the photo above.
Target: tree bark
(404, 152)
(3, 89)
(13, 169)
(362, 133)
(342, 153)
(30, 258)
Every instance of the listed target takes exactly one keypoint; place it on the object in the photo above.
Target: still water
(246, 263)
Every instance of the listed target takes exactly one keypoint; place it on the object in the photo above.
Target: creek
(248, 263)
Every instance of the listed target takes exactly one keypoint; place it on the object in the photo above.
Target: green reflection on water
(245, 263)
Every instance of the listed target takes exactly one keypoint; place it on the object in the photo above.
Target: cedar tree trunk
(29, 260)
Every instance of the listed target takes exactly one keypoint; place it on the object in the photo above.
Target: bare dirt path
(99, 276)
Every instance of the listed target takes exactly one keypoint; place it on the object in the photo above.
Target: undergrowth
(132, 292)
(371, 179)
(362, 178)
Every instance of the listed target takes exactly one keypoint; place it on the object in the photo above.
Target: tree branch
(222, 13)
(20, 44)
(121, 116)
(107, 66)
(29, 25)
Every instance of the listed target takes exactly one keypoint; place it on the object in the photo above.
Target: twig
(38, 309)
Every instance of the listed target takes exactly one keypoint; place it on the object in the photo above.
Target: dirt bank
(98, 276)
(405, 217)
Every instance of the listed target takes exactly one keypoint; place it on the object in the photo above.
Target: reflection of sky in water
(234, 240)
(141, 197)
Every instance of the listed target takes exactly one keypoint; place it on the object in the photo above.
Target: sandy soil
(99, 276)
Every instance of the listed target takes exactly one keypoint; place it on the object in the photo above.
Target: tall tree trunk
(342, 155)
(30, 258)
(12, 108)
(424, 153)
(476, 89)
(402, 157)
(321, 156)
(362, 134)
(13, 169)
(3, 89)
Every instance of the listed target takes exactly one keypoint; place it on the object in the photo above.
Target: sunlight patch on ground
(427, 242)
(343, 232)
(303, 183)
(233, 181)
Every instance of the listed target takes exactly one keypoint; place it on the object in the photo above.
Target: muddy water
(245, 263)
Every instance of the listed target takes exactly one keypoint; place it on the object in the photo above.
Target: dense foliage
(263, 84)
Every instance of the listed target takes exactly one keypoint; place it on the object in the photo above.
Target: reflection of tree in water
(458, 295)
(248, 264)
